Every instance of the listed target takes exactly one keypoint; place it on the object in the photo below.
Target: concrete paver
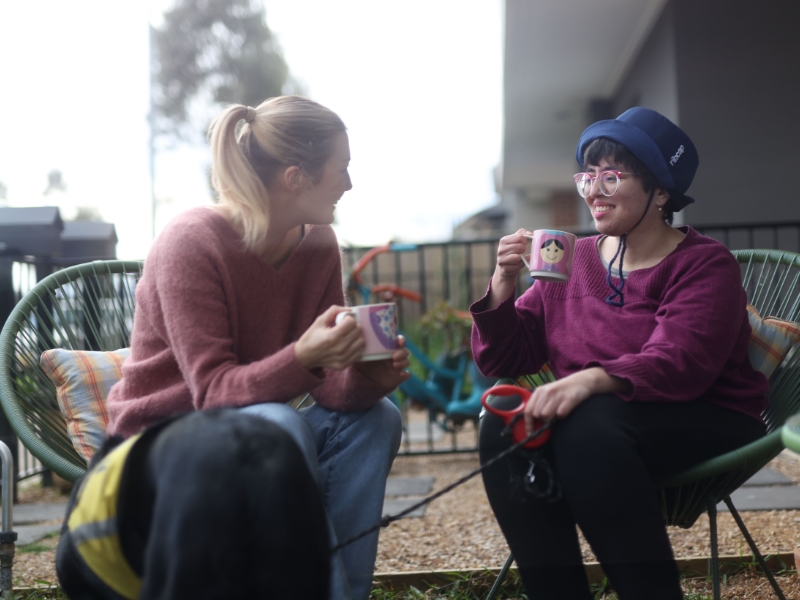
(27, 514)
(767, 476)
(408, 486)
(766, 490)
(778, 497)
(418, 432)
(27, 534)
(392, 506)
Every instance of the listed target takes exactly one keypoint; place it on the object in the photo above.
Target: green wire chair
(790, 434)
(86, 307)
(771, 279)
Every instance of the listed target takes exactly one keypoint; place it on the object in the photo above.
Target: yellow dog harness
(93, 523)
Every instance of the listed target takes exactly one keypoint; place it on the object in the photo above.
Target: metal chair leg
(7, 536)
(712, 522)
(754, 548)
(500, 577)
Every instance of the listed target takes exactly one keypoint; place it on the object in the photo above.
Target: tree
(55, 182)
(87, 213)
(210, 52)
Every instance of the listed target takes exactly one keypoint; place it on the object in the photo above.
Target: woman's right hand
(509, 264)
(328, 344)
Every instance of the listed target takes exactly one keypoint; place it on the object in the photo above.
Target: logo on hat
(677, 155)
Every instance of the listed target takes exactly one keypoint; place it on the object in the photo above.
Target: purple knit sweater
(215, 326)
(682, 334)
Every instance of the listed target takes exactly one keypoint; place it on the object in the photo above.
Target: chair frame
(33, 312)
(774, 290)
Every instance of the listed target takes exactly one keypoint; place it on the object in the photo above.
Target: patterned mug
(379, 325)
(552, 252)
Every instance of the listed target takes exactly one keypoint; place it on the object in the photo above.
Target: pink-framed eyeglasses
(607, 182)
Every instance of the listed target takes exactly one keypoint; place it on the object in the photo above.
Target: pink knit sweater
(215, 326)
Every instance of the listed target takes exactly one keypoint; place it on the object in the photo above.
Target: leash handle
(513, 418)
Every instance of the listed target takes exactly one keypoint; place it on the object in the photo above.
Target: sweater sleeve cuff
(284, 366)
(497, 324)
(623, 369)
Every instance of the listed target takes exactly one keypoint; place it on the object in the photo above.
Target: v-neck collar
(305, 233)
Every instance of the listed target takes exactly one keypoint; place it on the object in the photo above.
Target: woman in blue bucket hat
(648, 341)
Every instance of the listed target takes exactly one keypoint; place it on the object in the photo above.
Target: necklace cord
(622, 245)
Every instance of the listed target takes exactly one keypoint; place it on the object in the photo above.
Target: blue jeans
(350, 454)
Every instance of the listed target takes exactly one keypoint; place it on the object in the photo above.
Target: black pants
(605, 455)
(215, 504)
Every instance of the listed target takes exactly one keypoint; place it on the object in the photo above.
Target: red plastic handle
(518, 432)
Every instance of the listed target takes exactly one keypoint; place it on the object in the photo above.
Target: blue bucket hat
(656, 141)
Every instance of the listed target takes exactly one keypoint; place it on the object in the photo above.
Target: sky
(418, 84)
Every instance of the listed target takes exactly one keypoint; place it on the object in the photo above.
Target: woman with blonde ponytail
(236, 310)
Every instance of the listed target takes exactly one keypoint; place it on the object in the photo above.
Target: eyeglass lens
(608, 182)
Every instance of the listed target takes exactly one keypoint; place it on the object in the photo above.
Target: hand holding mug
(510, 251)
(552, 253)
(390, 372)
(378, 324)
(384, 357)
(329, 344)
(509, 264)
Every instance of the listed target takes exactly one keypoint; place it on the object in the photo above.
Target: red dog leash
(514, 418)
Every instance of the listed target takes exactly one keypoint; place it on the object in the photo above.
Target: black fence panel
(459, 271)
(456, 272)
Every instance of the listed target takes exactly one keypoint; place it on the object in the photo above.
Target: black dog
(213, 504)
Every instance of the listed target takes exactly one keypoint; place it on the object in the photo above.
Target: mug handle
(346, 313)
(522, 256)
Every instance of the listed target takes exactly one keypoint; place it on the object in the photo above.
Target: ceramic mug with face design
(552, 252)
(379, 325)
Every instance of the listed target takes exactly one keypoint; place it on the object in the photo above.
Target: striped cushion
(83, 380)
(770, 341)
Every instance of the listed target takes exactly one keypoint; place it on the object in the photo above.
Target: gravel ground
(34, 564)
(459, 531)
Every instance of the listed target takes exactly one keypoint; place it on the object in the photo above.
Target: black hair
(551, 241)
(615, 152)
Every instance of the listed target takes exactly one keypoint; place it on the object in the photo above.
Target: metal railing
(774, 235)
(7, 535)
(459, 271)
(456, 272)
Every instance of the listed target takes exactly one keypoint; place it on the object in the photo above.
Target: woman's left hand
(390, 372)
(559, 398)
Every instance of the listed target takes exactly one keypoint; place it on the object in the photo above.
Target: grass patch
(50, 593)
(43, 544)
(33, 548)
(474, 586)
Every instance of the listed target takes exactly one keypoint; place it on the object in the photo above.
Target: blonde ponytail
(283, 131)
(234, 179)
